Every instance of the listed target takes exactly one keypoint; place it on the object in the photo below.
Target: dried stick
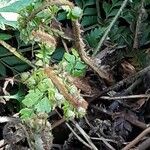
(125, 97)
(4, 119)
(144, 145)
(138, 25)
(109, 27)
(85, 135)
(107, 144)
(128, 80)
(81, 49)
(2, 144)
(101, 138)
(134, 121)
(56, 124)
(131, 87)
(78, 137)
(137, 139)
(14, 51)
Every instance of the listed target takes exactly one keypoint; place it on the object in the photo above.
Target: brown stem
(81, 49)
(64, 91)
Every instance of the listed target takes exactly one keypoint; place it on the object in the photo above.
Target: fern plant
(46, 84)
(123, 31)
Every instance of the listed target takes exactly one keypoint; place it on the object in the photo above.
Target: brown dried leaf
(82, 84)
(128, 69)
(138, 104)
(44, 37)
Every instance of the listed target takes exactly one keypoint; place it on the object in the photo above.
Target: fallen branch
(139, 25)
(132, 119)
(58, 123)
(78, 137)
(144, 145)
(130, 89)
(125, 97)
(89, 144)
(17, 54)
(85, 135)
(2, 144)
(137, 139)
(128, 80)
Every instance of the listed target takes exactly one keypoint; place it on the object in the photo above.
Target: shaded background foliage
(97, 15)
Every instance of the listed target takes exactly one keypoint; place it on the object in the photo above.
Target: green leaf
(94, 35)
(85, 3)
(78, 73)
(45, 84)
(13, 5)
(21, 67)
(116, 3)
(26, 113)
(4, 22)
(2, 70)
(76, 12)
(12, 62)
(58, 54)
(32, 98)
(89, 11)
(89, 20)
(113, 13)
(106, 7)
(70, 58)
(43, 105)
(62, 16)
(88, 2)
(80, 65)
(79, 3)
(69, 67)
(4, 36)
(74, 52)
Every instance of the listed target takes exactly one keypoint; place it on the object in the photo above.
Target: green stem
(109, 27)
(14, 51)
